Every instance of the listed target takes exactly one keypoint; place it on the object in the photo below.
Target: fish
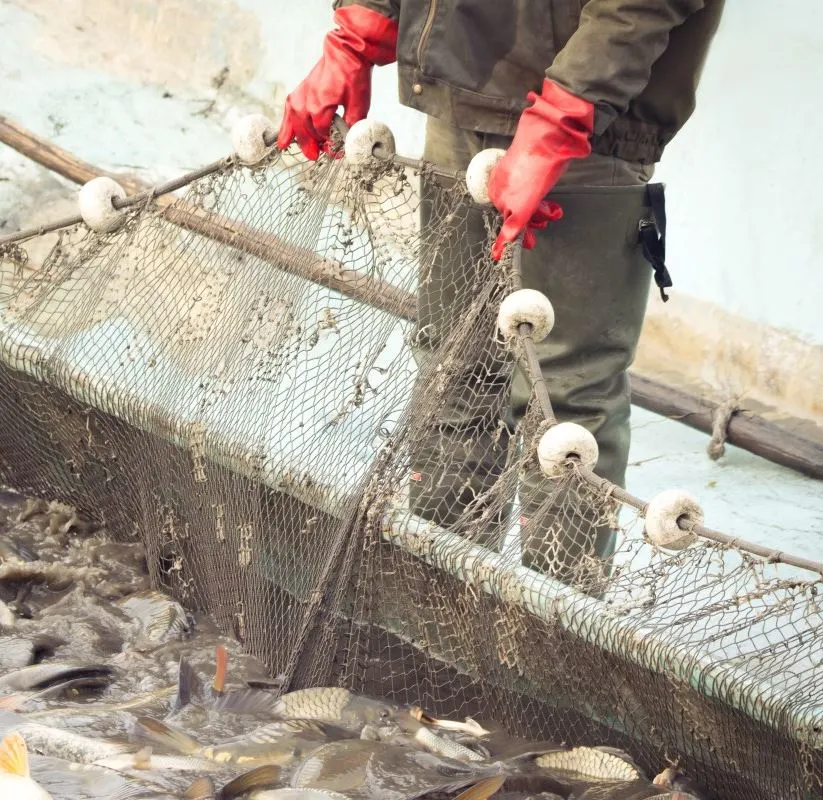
(470, 726)
(406, 728)
(68, 745)
(42, 681)
(200, 789)
(256, 780)
(158, 619)
(363, 769)
(336, 705)
(145, 760)
(636, 790)
(191, 692)
(446, 747)
(203, 788)
(15, 547)
(98, 709)
(480, 791)
(281, 742)
(16, 782)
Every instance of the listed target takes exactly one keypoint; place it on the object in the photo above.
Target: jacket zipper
(426, 31)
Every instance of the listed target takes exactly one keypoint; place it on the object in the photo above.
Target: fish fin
(142, 758)
(221, 669)
(201, 789)
(245, 701)
(265, 777)
(483, 789)
(14, 755)
(189, 686)
(163, 735)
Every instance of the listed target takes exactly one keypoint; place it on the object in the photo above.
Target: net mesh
(251, 378)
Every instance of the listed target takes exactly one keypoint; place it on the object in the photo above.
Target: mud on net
(252, 376)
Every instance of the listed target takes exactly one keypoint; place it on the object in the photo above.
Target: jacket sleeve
(609, 58)
(388, 8)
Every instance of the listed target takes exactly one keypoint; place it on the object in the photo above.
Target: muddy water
(71, 597)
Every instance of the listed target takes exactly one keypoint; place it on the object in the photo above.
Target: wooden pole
(290, 258)
(800, 451)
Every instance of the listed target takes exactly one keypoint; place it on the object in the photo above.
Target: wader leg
(590, 264)
(459, 456)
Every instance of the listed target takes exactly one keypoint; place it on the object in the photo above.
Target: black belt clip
(652, 237)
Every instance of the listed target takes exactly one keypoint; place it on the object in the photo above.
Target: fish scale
(68, 745)
(317, 703)
(591, 762)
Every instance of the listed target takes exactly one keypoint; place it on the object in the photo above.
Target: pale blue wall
(744, 177)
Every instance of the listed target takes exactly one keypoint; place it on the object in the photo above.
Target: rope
(720, 428)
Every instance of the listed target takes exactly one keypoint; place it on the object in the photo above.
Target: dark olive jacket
(472, 62)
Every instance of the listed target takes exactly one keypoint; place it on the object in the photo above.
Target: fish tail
(163, 735)
(264, 777)
(14, 755)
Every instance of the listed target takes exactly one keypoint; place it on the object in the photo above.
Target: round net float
(478, 171)
(96, 200)
(366, 136)
(526, 305)
(564, 441)
(248, 138)
(663, 514)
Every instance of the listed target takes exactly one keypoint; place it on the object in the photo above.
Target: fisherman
(584, 96)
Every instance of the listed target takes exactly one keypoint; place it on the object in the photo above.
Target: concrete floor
(123, 125)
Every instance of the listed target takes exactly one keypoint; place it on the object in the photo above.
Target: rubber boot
(591, 266)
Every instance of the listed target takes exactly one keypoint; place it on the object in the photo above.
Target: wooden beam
(798, 446)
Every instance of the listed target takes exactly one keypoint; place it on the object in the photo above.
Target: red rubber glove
(552, 131)
(342, 77)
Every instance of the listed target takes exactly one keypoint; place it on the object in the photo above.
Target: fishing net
(251, 376)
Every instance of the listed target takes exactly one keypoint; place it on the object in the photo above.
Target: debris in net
(469, 726)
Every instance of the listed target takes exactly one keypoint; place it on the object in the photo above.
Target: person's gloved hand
(552, 131)
(342, 77)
